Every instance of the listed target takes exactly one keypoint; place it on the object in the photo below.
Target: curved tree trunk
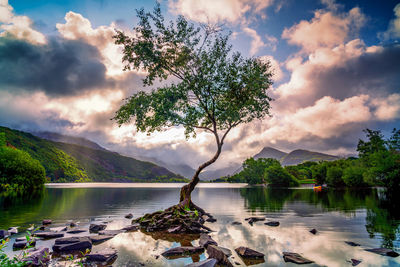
(186, 191)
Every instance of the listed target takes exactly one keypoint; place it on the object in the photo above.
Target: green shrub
(353, 176)
(277, 176)
(18, 171)
(334, 176)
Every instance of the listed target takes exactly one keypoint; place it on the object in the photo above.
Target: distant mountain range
(295, 157)
(78, 159)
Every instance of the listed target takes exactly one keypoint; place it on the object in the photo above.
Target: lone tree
(211, 88)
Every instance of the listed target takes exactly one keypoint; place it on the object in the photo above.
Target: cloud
(387, 108)
(326, 29)
(61, 67)
(278, 73)
(257, 43)
(19, 27)
(215, 11)
(393, 30)
(77, 27)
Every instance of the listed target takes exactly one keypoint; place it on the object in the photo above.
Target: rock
(273, 223)
(246, 252)
(46, 222)
(313, 231)
(72, 224)
(37, 256)
(42, 228)
(95, 228)
(71, 244)
(206, 240)
(31, 228)
(100, 238)
(3, 234)
(237, 263)
(130, 228)
(182, 251)
(104, 256)
(252, 220)
(355, 262)
(220, 254)
(211, 219)
(76, 231)
(111, 232)
(22, 244)
(383, 252)
(350, 243)
(236, 223)
(295, 258)
(13, 230)
(48, 235)
(59, 229)
(175, 230)
(129, 216)
(206, 263)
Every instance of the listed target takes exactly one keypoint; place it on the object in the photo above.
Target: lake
(364, 217)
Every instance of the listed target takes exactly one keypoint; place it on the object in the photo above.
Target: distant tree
(334, 176)
(212, 89)
(319, 173)
(253, 169)
(277, 176)
(19, 170)
(353, 176)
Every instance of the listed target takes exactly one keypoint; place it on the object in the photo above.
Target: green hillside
(299, 156)
(74, 163)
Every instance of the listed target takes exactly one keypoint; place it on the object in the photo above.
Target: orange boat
(317, 188)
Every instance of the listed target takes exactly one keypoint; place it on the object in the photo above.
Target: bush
(253, 170)
(319, 173)
(334, 176)
(19, 171)
(353, 176)
(277, 176)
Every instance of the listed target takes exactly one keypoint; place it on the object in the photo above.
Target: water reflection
(368, 217)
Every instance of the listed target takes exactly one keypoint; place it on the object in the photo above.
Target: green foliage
(19, 172)
(277, 176)
(215, 89)
(2, 139)
(353, 176)
(334, 176)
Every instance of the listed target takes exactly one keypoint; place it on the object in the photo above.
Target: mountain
(299, 156)
(295, 157)
(269, 152)
(76, 163)
(56, 137)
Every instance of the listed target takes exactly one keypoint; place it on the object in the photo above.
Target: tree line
(377, 164)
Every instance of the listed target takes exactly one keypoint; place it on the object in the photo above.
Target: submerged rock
(130, 228)
(95, 228)
(313, 231)
(37, 256)
(273, 223)
(59, 229)
(211, 219)
(236, 223)
(246, 252)
(353, 244)
(355, 262)
(295, 258)
(76, 231)
(3, 234)
(252, 220)
(100, 238)
(384, 252)
(182, 251)
(72, 224)
(13, 230)
(111, 232)
(220, 254)
(105, 256)
(48, 235)
(71, 244)
(129, 216)
(46, 222)
(206, 240)
(19, 244)
(205, 263)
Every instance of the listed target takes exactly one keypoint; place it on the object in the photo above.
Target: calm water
(364, 217)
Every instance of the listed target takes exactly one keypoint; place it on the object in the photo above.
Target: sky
(336, 72)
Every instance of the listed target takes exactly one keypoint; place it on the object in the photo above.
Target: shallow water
(359, 216)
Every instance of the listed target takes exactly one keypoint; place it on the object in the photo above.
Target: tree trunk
(186, 191)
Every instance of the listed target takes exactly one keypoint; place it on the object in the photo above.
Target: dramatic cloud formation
(19, 27)
(330, 80)
(60, 67)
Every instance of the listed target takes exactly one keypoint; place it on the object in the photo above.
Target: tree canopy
(207, 86)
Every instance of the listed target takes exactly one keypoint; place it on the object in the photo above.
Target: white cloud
(77, 27)
(278, 73)
(387, 108)
(326, 29)
(256, 43)
(393, 30)
(215, 11)
(19, 27)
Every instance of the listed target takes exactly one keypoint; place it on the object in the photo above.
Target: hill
(295, 157)
(269, 152)
(56, 137)
(76, 163)
(299, 156)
